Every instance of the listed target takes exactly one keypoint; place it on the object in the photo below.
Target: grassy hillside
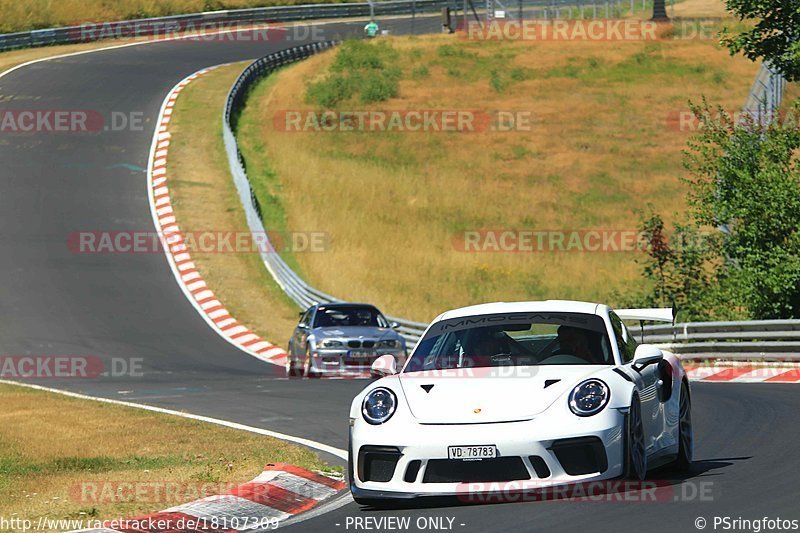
(20, 15)
(601, 148)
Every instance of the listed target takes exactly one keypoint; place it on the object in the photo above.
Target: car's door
(648, 383)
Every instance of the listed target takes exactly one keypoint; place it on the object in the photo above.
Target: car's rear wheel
(635, 452)
(683, 462)
(308, 370)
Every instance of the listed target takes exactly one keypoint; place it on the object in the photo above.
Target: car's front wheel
(292, 371)
(307, 368)
(635, 454)
(683, 462)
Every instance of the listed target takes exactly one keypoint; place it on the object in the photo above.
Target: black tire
(292, 371)
(307, 366)
(635, 452)
(683, 462)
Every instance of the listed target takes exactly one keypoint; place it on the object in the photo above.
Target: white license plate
(472, 453)
(362, 354)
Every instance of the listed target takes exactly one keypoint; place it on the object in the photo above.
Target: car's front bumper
(333, 361)
(535, 454)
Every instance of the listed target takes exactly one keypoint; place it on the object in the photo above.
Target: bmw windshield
(344, 316)
(520, 339)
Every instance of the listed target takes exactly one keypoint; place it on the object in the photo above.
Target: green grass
(21, 15)
(51, 444)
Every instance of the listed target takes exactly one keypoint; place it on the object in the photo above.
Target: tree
(744, 189)
(775, 37)
(660, 10)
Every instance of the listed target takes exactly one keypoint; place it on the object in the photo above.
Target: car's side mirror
(302, 325)
(647, 354)
(394, 325)
(385, 365)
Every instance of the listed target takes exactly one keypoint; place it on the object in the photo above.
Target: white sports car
(508, 394)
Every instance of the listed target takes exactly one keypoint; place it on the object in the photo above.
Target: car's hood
(489, 394)
(355, 332)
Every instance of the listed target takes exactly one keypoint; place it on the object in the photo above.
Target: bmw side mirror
(302, 325)
(385, 365)
(647, 354)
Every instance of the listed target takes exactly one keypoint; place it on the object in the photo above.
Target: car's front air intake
(458, 471)
(583, 455)
(377, 463)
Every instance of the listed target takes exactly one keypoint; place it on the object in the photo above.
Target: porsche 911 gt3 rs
(551, 393)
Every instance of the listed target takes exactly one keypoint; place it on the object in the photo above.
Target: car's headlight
(330, 343)
(390, 343)
(589, 397)
(379, 405)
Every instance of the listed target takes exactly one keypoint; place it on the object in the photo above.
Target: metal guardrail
(776, 340)
(298, 290)
(197, 22)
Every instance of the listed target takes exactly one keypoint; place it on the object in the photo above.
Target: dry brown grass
(205, 199)
(392, 203)
(19, 15)
(50, 444)
(792, 94)
(699, 8)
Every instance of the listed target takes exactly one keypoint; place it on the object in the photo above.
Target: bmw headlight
(330, 343)
(379, 405)
(589, 397)
(390, 343)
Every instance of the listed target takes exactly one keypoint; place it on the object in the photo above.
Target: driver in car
(483, 346)
(573, 341)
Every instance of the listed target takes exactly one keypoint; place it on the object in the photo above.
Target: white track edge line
(337, 452)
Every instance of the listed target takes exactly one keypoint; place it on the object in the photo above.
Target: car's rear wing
(657, 314)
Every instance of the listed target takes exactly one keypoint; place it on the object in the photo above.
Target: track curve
(55, 302)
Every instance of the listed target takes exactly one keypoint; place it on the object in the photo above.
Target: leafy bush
(380, 87)
(330, 91)
(745, 188)
(359, 69)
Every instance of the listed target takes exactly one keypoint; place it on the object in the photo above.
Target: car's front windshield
(519, 339)
(333, 316)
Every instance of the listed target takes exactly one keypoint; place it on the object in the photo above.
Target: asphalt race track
(56, 302)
